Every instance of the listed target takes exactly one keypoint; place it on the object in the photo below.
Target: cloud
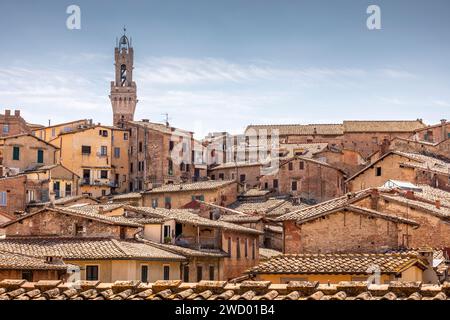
(397, 74)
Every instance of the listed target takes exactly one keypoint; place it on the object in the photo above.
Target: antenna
(166, 118)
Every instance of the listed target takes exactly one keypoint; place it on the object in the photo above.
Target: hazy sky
(221, 65)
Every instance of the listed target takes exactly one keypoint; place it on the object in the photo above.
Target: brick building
(24, 152)
(305, 178)
(178, 195)
(13, 124)
(243, 172)
(434, 134)
(412, 167)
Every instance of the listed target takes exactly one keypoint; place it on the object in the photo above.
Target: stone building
(372, 220)
(22, 152)
(18, 266)
(412, 167)
(159, 154)
(349, 161)
(434, 134)
(13, 124)
(215, 249)
(179, 195)
(52, 131)
(41, 185)
(89, 152)
(245, 173)
(305, 178)
(435, 149)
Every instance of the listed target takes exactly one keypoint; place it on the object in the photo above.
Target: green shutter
(16, 153)
(40, 156)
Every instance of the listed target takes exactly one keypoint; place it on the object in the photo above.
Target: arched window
(123, 75)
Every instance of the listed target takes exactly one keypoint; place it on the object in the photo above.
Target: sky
(222, 65)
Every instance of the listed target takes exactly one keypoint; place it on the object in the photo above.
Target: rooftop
(299, 129)
(219, 290)
(201, 185)
(383, 126)
(345, 263)
(22, 262)
(85, 248)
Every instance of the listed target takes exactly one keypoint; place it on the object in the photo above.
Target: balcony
(204, 242)
(104, 182)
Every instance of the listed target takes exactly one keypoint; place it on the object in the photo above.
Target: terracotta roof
(30, 135)
(96, 208)
(188, 252)
(219, 290)
(228, 165)
(117, 220)
(344, 263)
(85, 248)
(265, 253)
(382, 126)
(131, 195)
(15, 261)
(258, 206)
(63, 201)
(202, 185)
(188, 217)
(442, 212)
(338, 204)
(416, 161)
(299, 129)
(160, 127)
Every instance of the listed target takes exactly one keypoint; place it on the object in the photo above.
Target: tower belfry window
(123, 75)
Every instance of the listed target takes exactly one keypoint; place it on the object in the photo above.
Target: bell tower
(123, 90)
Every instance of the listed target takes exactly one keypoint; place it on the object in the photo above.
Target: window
(302, 165)
(86, 149)
(140, 146)
(242, 178)
(294, 186)
(27, 275)
(378, 171)
(170, 168)
(131, 167)
(16, 153)
(103, 133)
(246, 248)
(291, 166)
(3, 197)
(213, 177)
(199, 273)
(40, 156)
(166, 272)
(154, 203)
(166, 232)
(238, 248)
(68, 190)
(79, 229)
(56, 189)
(6, 128)
(53, 132)
(266, 185)
(103, 151)
(211, 273)
(186, 273)
(91, 273)
(117, 152)
(275, 183)
(125, 136)
(30, 196)
(221, 176)
(198, 197)
(167, 202)
(229, 246)
(253, 249)
(103, 174)
(144, 273)
(171, 145)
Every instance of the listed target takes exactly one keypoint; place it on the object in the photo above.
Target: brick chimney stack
(17, 113)
(7, 113)
(410, 195)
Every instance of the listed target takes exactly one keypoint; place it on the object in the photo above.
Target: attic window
(79, 229)
(378, 171)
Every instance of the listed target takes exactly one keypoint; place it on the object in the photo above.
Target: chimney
(17, 113)
(443, 121)
(444, 134)
(7, 113)
(426, 254)
(410, 195)
(101, 209)
(145, 120)
(374, 197)
(438, 204)
(52, 199)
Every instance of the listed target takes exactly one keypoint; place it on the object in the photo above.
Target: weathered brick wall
(314, 181)
(17, 125)
(433, 231)
(37, 275)
(441, 149)
(15, 194)
(49, 223)
(233, 266)
(435, 134)
(343, 231)
(251, 173)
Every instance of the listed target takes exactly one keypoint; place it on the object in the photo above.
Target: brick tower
(123, 89)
